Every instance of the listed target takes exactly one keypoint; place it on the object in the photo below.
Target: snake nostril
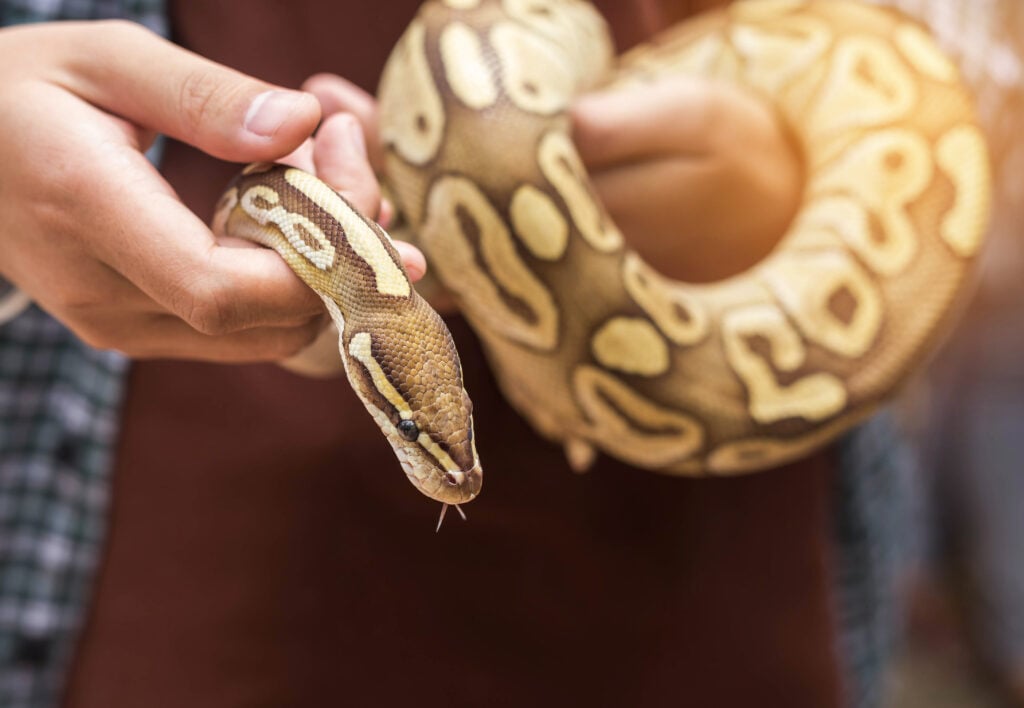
(451, 479)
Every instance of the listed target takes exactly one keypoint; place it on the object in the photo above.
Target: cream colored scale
(592, 345)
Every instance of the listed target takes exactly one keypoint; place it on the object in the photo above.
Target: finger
(168, 253)
(169, 337)
(340, 159)
(413, 259)
(387, 213)
(301, 157)
(219, 110)
(338, 95)
(636, 194)
(620, 125)
(650, 200)
(76, 286)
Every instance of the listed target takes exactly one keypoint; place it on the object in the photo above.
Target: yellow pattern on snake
(397, 353)
(593, 346)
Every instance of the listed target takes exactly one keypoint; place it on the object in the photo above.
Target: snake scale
(592, 345)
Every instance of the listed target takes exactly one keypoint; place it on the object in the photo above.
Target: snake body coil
(592, 345)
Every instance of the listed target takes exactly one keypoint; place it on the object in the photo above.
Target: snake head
(434, 442)
(444, 480)
(407, 372)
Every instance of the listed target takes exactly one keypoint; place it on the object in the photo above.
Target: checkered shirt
(59, 402)
(59, 412)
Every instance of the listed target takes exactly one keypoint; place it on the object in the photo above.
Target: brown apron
(266, 550)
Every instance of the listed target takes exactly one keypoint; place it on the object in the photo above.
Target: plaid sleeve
(59, 408)
(151, 13)
(59, 405)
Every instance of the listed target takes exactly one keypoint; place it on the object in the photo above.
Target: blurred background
(962, 582)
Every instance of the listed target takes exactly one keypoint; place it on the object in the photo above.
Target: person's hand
(339, 96)
(337, 154)
(700, 176)
(96, 237)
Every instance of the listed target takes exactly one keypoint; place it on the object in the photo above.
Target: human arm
(96, 237)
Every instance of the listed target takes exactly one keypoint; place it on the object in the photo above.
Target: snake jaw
(457, 486)
(472, 481)
(449, 486)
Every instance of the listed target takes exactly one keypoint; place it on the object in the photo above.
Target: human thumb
(135, 74)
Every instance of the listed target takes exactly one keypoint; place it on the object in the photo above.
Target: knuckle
(81, 301)
(119, 28)
(61, 180)
(115, 24)
(197, 98)
(209, 311)
(303, 337)
(95, 335)
(209, 318)
(82, 298)
(287, 344)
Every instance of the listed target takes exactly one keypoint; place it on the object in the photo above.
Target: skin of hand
(702, 177)
(92, 232)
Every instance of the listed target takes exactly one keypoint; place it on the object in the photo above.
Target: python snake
(591, 344)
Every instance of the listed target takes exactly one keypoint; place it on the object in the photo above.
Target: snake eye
(408, 429)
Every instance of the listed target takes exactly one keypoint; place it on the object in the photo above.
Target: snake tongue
(444, 510)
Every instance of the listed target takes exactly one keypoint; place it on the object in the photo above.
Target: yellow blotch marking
(772, 59)
(562, 166)
(462, 4)
(920, 50)
(805, 284)
(416, 130)
(885, 172)
(576, 28)
(760, 10)
(678, 314)
(538, 223)
(963, 158)
(632, 427)
(390, 279)
(289, 223)
(536, 74)
(480, 290)
(257, 168)
(360, 347)
(869, 85)
(813, 397)
(468, 74)
(435, 451)
(699, 57)
(632, 346)
(826, 218)
(757, 453)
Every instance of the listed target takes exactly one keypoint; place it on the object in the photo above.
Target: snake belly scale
(593, 346)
